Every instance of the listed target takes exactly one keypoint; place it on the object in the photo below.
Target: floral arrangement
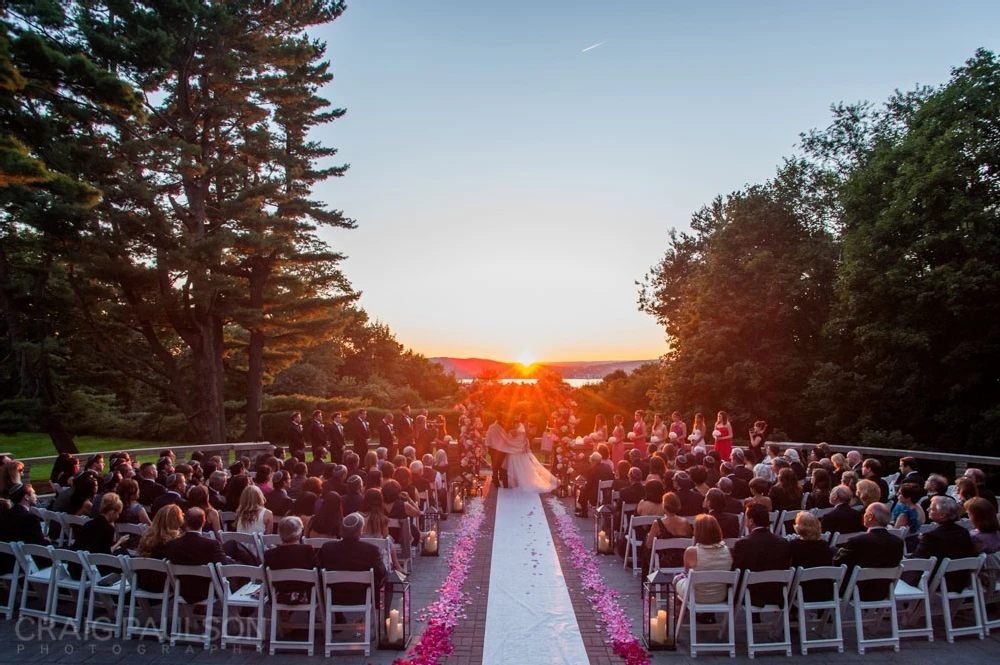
(603, 598)
(563, 422)
(443, 614)
(471, 435)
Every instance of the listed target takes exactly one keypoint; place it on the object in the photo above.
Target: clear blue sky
(509, 189)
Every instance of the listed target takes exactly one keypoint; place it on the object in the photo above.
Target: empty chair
(68, 587)
(874, 609)
(244, 605)
(150, 582)
(816, 594)
(110, 586)
(278, 608)
(36, 562)
(775, 517)
(332, 578)
(726, 608)
(955, 600)
(633, 541)
(10, 581)
(772, 577)
(186, 598)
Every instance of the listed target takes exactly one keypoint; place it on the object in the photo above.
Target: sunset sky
(510, 189)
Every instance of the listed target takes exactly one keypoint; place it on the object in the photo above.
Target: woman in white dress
(524, 472)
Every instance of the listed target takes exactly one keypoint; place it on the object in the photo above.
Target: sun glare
(527, 359)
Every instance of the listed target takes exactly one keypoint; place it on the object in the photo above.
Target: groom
(497, 457)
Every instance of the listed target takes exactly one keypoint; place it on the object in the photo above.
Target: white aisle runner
(529, 616)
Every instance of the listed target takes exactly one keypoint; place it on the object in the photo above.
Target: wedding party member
(386, 438)
(335, 438)
(708, 553)
(639, 432)
(875, 549)
(423, 437)
(724, 439)
(600, 432)
(296, 438)
(697, 436)
(495, 445)
(360, 434)
(985, 532)
(659, 428)
(404, 431)
(316, 432)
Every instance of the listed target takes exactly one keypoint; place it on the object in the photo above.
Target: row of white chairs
(842, 603)
(43, 585)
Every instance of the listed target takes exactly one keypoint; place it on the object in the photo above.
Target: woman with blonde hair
(868, 492)
(809, 550)
(252, 516)
(371, 460)
(10, 475)
(600, 432)
(166, 526)
(840, 465)
(708, 553)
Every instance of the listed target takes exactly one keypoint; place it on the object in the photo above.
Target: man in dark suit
(335, 437)
(149, 489)
(404, 430)
(935, 485)
(386, 436)
(876, 549)
(360, 433)
(715, 503)
(291, 553)
(351, 554)
(728, 487)
(597, 472)
(17, 524)
(738, 459)
(176, 488)
(635, 459)
(194, 548)
(762, 550)
(947, 541)
(843, 518)
(854, 459)
(296, 438)
(634, 492)
(278, 501)
(871, 469)
(692, 501)
(317, 467)
(908, 472)
(317, 433)
(216, 484)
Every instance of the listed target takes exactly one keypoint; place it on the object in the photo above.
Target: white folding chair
(181, 627)
(250, 540)
(404, 547)
(70, 589)
(330, 579)
(730, 542)
(661, 546)
(782, 577)
(246, 603)
(110, 585)
(775, 518)
(876, 609)
(819, 513)
(10, 581)
(70, 525)
(36, 562)
(787, 522)
(633, 542)
(814, 615)
(726, 607)
(385, 547)
(134, 531)
(270, 540)
(145, 624)
(627, 511)
(43, 515)
(953, 601)
(277, 608)
(604, 490)
(227, 518)
(899, 532)
(841, 538)
(989, 587)
(911, 601)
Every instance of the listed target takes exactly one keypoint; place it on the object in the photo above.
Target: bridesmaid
(639, 432)
(659, 429)
(600, 433)
(618, 434)
(697, 436)
(724, 438)
(678, 430)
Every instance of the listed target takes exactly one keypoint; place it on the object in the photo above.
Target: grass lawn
(31, 444)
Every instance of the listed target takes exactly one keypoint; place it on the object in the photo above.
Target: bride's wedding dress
(524, 471)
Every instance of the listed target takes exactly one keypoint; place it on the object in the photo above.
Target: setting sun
(527, 359)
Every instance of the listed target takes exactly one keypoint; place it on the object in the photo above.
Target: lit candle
(661, 620)
(654, 630)
(394, 629)
(431, 544)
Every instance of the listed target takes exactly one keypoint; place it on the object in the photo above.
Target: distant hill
(470, 368)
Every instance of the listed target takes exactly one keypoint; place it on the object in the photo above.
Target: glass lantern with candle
(604, 528)
(429, 544)
(394, 626)
(658, 599)
(579, 485)
(457, 496)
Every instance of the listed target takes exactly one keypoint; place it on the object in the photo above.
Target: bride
(524, 472)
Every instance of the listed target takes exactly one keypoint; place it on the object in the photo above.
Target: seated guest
(965, 490)
(98, 535)
(352, 554)
(699, 478)
(809, 550)
(152, 544)
(277, 500)
(985, 532)
(715, 503)
(300, 472)
(819, 490)
(326, 522)
(739, 488)
(843, 518)
(337, 481)
(691, 500)
(18, 524)
(787, 494)
(263, 479)
(621, 475)
(671, 525)
(234, 490)
(652, 502)
(906, 513)
(708, 553)
(598, 471)
(198, 498)
(194, 548)
(291, 553)
(979, 478)
(149, 489)
(733, 504)
(216, 487)
(317, 467)
(759, 488)
(908, 471)
(875, 549)
(761, 550)
(795, 464)
(252, 516)
(634, 491)
(176, 489)
(868, 492)
(947, 541)
(353, 499)
(738, 459)
(871, 470)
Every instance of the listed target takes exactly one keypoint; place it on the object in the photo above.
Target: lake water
(576, 383)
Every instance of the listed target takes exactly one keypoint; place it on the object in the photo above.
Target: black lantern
(456, 497)
(394, 626)
(477, 488)
(579, 485)
(658, 599)
(429, 544)
(604, 525)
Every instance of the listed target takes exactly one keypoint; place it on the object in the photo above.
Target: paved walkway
(23, 642)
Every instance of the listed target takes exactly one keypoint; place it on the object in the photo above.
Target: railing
(248, 449)
(961, 462)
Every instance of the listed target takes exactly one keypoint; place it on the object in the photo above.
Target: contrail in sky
(594, 46)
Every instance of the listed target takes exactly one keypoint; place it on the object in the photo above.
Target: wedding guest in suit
(317, 467)
(908, 471)
(762, 550)
(715, 502)
(278, 501)
(386, 435)
(176, 488)
(809, 550)
(18, 524)
(947, 541)
(597, 472)
(733, 504)
(360, 433)
(875, 549)
(335, 437)
(149, 489)
(296, 438)
(935, 485)
(350, 553)
(291, 553)
(634, 491)
(691, 500)
(871, 469)
(854, 461)
(193, 548)
(216, 487)
(842, 518)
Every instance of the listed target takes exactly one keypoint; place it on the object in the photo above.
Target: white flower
(673, 436)
(655, 439)
(579, 441)
(716, 433)
(691, 437)
(612, 440)
(587, 440)
(564, 429)
(631, 436)
(447, 438)
(572, 420)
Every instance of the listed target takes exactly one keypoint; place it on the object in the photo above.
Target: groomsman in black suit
(335, 436)
(404, 429)
(360, 433)
(317, 433)
(386, 438)
(296, 439)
